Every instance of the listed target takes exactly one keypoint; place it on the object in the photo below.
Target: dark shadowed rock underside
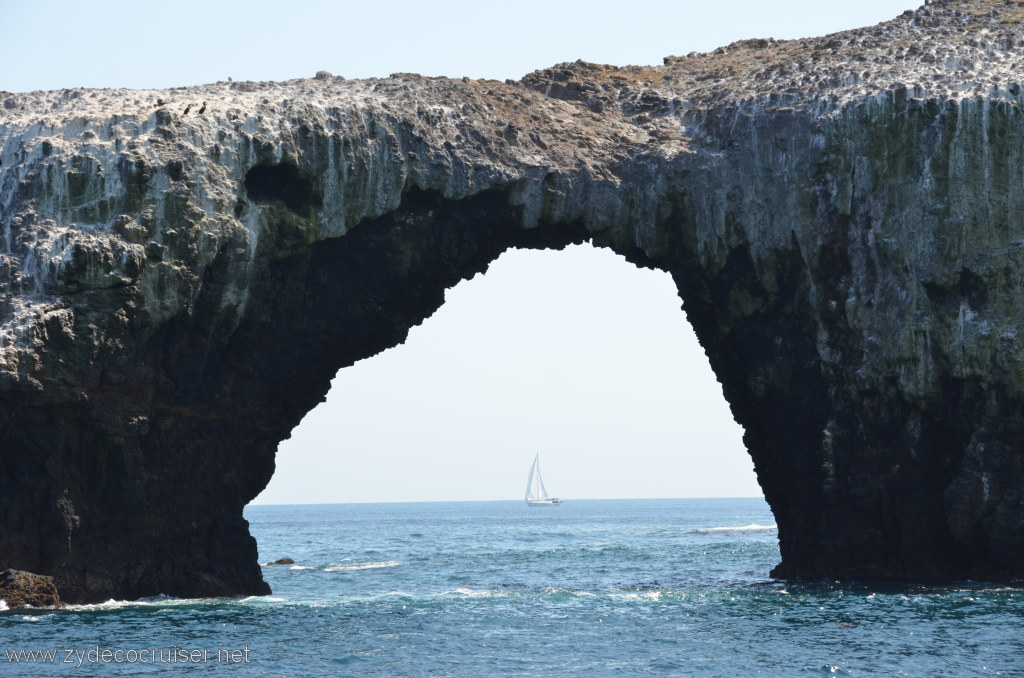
(842, 217)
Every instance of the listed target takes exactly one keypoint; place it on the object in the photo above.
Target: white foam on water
(159, 598)
(164, 600)
(301, 567)
(108, 605)
(753, 528)
(1002, 589)
(3, 605)
(263, 599)
(350, 567)
(471, 593)
(642, 595)
(573, 592)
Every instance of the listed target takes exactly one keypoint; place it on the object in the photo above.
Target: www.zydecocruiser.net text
(160, 655)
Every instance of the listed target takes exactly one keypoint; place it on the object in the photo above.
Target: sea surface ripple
(590, 588)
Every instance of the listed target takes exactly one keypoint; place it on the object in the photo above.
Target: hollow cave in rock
(283, 183)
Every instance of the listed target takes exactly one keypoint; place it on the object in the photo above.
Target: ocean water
(589, 588)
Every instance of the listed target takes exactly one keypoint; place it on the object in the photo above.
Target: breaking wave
(157, 600)
(753, 528)
(472, 593)
(349, 567)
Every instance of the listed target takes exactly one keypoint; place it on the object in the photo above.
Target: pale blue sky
(575, 354)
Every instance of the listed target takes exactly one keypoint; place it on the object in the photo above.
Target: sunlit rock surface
(842, 216)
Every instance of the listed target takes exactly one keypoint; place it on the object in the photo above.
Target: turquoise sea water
(589, 588)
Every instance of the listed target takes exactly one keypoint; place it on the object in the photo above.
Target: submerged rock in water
(24, 589)
(280, 561)
(840, 215)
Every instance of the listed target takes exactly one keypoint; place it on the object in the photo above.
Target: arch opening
(574, 353)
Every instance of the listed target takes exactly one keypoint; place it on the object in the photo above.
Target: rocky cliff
(842, 217)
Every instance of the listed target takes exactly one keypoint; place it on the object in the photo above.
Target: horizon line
(482, 501)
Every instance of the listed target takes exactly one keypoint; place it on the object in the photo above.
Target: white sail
(529, 481)
(542, 491)
(536, 493)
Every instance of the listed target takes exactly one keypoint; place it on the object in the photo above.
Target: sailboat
(536, 493)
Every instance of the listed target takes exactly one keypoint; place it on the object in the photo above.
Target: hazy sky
(574, 354)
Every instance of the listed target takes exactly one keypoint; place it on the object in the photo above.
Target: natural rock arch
(177, 293)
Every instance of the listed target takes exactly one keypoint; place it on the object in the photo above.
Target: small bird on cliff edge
(159, 103)
(187, 109)
(202, 109)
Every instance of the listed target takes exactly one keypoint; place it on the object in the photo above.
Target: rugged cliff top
(74, 164)
(946, 48)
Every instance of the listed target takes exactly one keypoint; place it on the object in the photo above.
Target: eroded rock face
(842, 217)
(25, 589)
